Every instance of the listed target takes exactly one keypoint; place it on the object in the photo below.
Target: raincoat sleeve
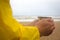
(30, 33)
(10, 29)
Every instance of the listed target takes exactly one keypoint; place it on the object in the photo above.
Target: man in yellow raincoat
(10, 29)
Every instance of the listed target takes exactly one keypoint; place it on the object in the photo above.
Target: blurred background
(36, 7)
(25, 11)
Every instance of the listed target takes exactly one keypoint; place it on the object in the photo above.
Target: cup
(44, 18)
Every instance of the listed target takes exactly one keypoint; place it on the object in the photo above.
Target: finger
(51, 23)
(50, 20)
(52, 28)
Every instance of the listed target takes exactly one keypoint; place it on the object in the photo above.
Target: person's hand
(45, 26)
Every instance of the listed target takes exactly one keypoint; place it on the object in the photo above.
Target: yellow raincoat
(10, 29)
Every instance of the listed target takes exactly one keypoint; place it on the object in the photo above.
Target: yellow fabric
(10, 29)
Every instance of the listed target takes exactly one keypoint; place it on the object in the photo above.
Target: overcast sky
(36, 7)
